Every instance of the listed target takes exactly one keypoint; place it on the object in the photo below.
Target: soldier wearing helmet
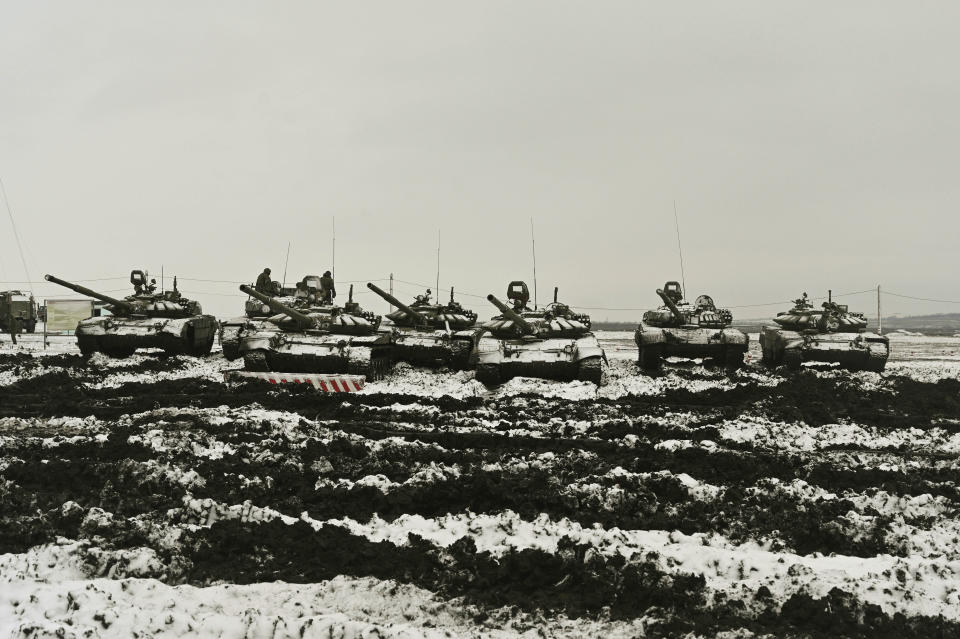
(327, 289)
(264, 283)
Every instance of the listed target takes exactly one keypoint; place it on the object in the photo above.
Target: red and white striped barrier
(325, 383)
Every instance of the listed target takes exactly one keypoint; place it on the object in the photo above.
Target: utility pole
(879, 313)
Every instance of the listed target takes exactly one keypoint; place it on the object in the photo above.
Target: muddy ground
(820, 503)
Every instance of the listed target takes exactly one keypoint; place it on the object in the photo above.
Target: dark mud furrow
(609, 462)
(112, 476)
(575, 581)
(805, 397)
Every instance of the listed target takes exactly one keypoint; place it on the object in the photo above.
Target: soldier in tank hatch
(264, 283)
(327, 289)
(425, 298)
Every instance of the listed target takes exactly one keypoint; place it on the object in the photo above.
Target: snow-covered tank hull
(146, 319)
(321, 339)
(436, 348)
(233, 330)
(726, 346)
(122, 336)
(550, 343)
(853, 350)
(317, 352)
(559, 358)
(432, 334)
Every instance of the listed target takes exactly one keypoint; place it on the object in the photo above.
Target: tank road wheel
(792, 359)
(489, 374)
(733, 358)
(590, 370)
(651, 357)
(256, 361)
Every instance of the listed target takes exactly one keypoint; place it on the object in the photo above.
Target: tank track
(591, 370)
(651, 357)
(374, 364)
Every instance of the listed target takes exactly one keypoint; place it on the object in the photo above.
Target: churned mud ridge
(107, 475)
(806, 397)
(575, 580)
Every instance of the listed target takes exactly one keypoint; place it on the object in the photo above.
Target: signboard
(64, 315)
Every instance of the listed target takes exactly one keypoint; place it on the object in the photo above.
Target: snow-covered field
(145, 497)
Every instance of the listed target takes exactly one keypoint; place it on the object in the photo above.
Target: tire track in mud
(122, 483)
(113, 475)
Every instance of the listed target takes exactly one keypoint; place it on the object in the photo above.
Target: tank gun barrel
(412, 314)
(673, 307)
(512, 314)
(83, 290)
(305, 321)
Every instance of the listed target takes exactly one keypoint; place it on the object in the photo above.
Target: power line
(923, 299)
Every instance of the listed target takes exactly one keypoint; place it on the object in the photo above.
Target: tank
(146, 319)
(316, 338)
(432, 334)
(19, 307)
(681, 329)
(256, 313)
(551, 343)
(830, 334)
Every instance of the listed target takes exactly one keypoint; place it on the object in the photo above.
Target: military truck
(146, 319)
(681, 329)
(21, 308)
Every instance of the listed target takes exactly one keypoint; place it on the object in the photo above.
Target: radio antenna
(438, 262)
(333, 249)
(16, 235)
(533, 248)
(676, 221)
(285, 263)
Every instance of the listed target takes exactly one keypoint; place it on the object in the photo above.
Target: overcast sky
(808, 145)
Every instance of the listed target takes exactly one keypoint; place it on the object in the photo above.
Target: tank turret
(830, 318)
(303, 320)
(525, 326)
(415, 317)
(677, 315)
(120, 306)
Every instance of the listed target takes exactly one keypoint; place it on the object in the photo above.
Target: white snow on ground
(46, 592)
(913, 585)
(409, 380)
(924, 583)
(763, 433)
(201, 367)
